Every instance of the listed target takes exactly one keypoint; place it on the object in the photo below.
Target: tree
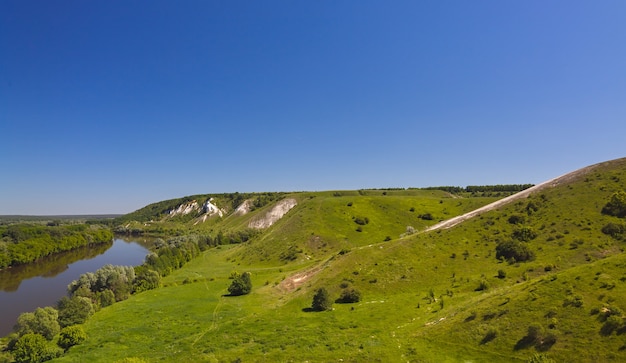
(70, 336)
(514, 250)
(241, 285)
(321, 300)
(616, 206)
(32, 348)
(74, 310)
(349, 296)
(43, 321)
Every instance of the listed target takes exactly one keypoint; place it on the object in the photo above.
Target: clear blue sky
(107, 106)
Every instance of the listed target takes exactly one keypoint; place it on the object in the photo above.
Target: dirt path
(512, 198)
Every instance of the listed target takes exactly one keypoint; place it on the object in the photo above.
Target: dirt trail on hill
(563, 179)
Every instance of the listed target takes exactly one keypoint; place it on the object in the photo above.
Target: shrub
(524, 234)
(614, 230)
(44, 321)
(426, 216)
(361, 220)
(70, 336)
(241, 285)
(516, 219)
(514, 250)
(321, 300)
(483, 285)
(349, 296)
(75, 310)
(616, 205)
(501, 274)
(33, 348)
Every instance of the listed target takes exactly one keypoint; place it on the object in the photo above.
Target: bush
(321, 300)
(514, 250)
(33, 348)
(524, 234)
(616, 206)
(349, 296)
(516, 219)
(75, 310)
(44, 321)
(361, 220)
(614, 230)
(241, 285)
(71, 336)
(501, 274)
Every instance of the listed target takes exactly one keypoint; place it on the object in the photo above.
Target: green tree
(74, 310)
(349, 296)
(32, 348)
(616, 206)
(70, 336)
(43, 321)
(321, 300)
(241, 285)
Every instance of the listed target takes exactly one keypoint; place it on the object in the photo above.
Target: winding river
(25, 288)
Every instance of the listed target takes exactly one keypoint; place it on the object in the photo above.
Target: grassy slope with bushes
(437, 296)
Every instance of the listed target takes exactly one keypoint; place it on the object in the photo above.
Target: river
(25, 288)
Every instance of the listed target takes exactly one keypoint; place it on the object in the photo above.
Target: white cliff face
(184, 209)
(243, 208)
(211, 209)
(273, 215)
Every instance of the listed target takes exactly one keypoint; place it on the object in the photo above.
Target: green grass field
(440, 296)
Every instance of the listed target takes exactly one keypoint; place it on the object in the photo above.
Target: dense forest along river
(43, 283)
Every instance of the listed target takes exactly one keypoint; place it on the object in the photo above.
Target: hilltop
(537, 274)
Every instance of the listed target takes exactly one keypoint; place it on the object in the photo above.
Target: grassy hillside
(440, 296)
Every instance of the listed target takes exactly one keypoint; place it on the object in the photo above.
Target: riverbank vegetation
(24, 243)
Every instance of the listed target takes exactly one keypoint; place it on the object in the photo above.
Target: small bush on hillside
(482, 285)
(321, 300)
(71, 336)
(616, 206)
(501, 274)
(524, 234)
(540, 358)
(615, 230)
(33, 348)
(349, 296)
(516, 219)
(241, 285)
(514, 250)
(426, 216)
(361, 220)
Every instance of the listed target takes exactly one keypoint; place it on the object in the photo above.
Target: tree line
(510, 188)
(25, 243)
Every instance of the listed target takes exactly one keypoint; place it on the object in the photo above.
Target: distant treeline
(25, 243)
(510, 188)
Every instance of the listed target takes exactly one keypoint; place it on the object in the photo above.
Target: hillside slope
(441, 296)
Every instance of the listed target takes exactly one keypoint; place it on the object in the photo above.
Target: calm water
(25, 288)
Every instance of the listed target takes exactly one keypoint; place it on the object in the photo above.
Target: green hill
(544, 275)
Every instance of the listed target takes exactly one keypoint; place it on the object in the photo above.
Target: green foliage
(241, 284)
(361, 220)
(31, 348)
(117, 279)
(614, 230)
(71, 336)
(43, 321)
(514, 250)
(74, 310)
(26, 243)
(616, 206)
(524, 234)
(350, 295)
(146, 279)
(321, 300)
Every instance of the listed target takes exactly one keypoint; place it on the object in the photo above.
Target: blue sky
(107, 106)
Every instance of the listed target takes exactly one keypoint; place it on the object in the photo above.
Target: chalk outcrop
(273, 215)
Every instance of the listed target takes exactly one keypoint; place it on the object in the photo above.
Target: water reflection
(11, 278)
(24, 288)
